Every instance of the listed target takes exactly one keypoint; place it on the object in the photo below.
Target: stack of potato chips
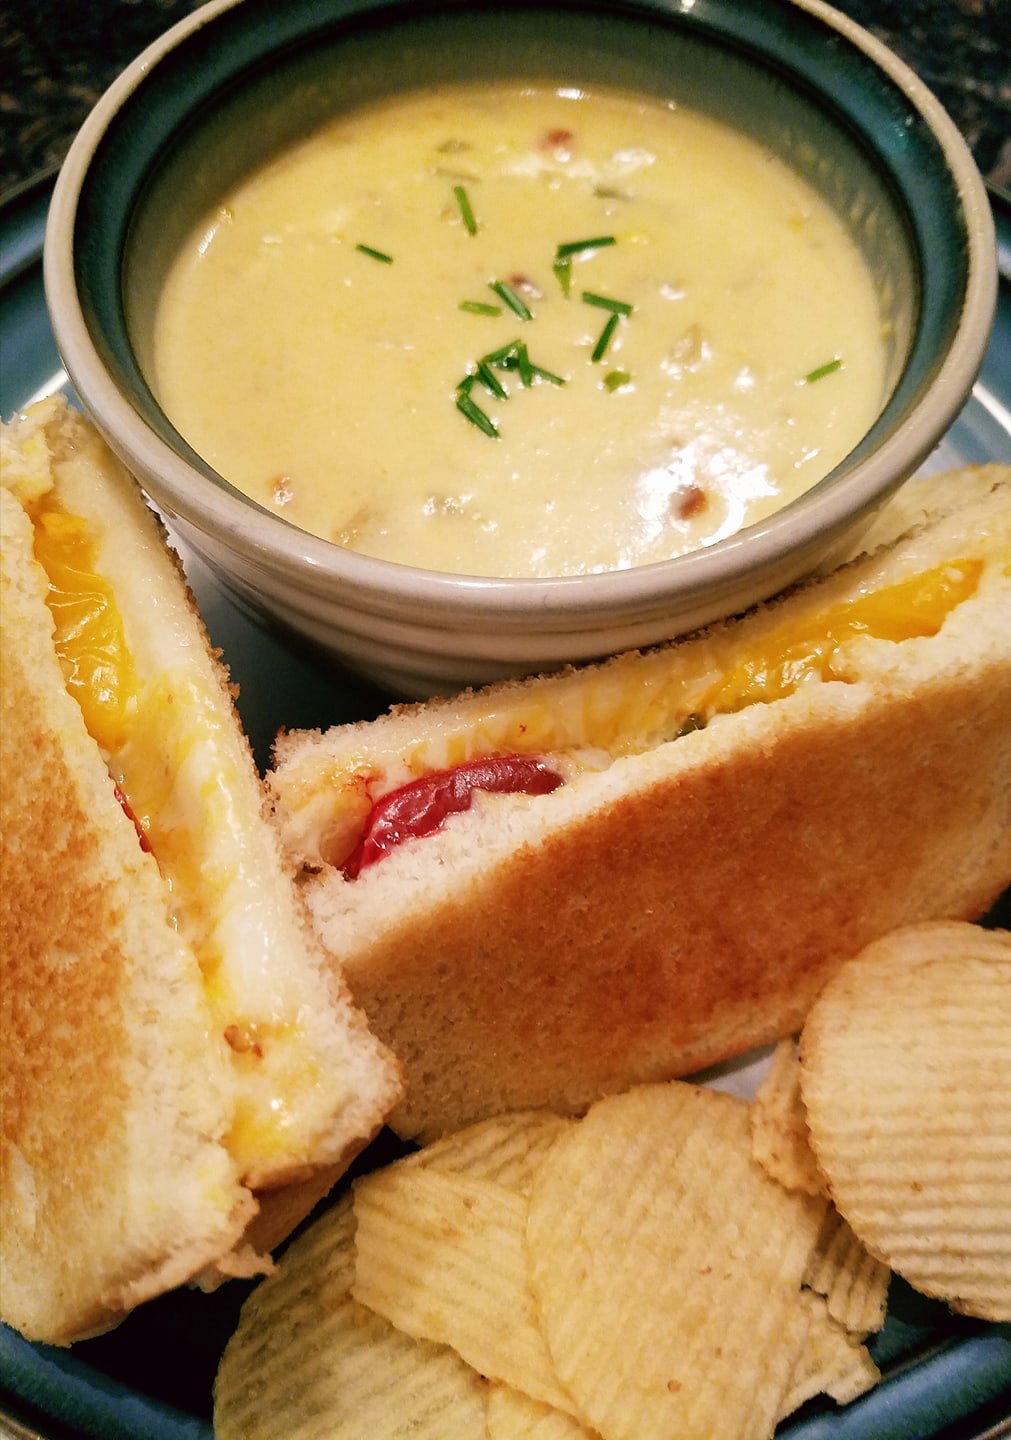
(678, 1261)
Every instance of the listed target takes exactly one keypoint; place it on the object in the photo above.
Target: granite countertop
(59, 55)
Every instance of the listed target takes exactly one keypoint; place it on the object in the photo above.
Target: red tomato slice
(145, 843)
(421, 806)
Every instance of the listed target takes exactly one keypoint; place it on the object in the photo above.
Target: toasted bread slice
(115, 1177)
(175, 1039)
(741, 811)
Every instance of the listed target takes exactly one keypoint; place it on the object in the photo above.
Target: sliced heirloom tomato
(422, 806)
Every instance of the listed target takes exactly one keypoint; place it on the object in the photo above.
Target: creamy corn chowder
(521, 331)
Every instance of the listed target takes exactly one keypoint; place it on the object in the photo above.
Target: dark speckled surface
(57, 56)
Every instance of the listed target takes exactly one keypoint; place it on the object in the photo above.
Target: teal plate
(945, 1378)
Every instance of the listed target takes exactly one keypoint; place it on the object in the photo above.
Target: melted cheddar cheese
(181, 780)
(266, 1115)
(813, 645)
(586, 720)
(88, 635)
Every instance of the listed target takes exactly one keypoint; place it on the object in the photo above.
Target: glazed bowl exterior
(238, 78)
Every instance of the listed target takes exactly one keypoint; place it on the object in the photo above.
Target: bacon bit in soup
(560, 142)
(351, 534)
(525, 286)
(282, 489)
(690, 501)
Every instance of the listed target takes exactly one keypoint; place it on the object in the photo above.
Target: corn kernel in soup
(521, 331)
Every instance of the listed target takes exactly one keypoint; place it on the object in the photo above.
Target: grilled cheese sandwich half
(746, 805)
(589, 718)
(305, 1083)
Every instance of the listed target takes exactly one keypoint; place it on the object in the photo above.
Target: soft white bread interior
(923, 498)
(174, 1037)
(740, 812)
(115, 1178)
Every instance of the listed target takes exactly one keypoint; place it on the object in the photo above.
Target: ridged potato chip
(906, 1079)
(667, 1267)
(307, 1362)
(853, 1282)
(832, 1361)
(779, 1136)
(443, 1257)
(506, 1149)
(514, 1416)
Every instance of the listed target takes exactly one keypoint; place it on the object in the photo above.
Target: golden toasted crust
(923, 496)
(696, 917)
(688, 903)
(114, 1179)
(141, 1104)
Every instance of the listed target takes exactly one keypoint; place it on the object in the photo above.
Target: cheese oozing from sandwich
(155, 705)
(585, 719)
(88, 633)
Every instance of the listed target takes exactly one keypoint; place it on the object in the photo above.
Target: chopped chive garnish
(822, 371)
(473, 412)
(600, 349)
(615, 379)
(617, 307)
(490, 380)
(466, 212)
(509, 297)
(375, 254)
(480, 307)
(517, 357)
(576, 247)
(563, 274)
(514, 358)
(539, 373)
(503, 353)
(519, 361)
